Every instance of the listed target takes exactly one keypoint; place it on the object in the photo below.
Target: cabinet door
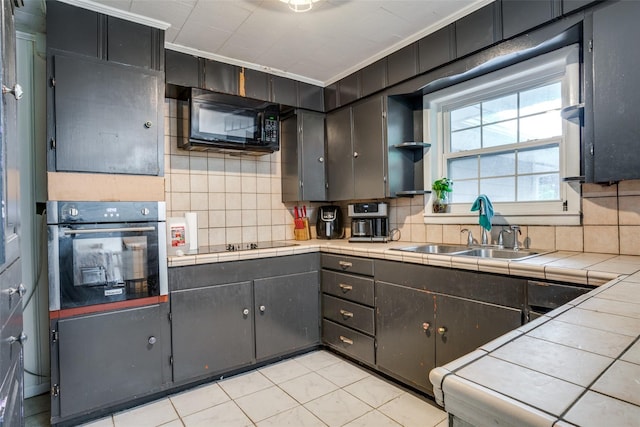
(348, 89)
(256, 84)
(463, 325)
(284, 91)
(310, 96)
(287, 313)
(369, 149)
(221, 77)
(402, 64)
(109, 358)
(106, 118)
(436, 48)
(129, 42)
(521, 15)
(405, 333)
(211, 332)
(313, 160)
(478, 30)
(616, 132)
(339, 155)
(373, 77)
(181, 69)
(72, 29)
(291, 180)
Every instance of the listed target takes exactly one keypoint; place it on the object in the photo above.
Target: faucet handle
(515, 237)
(469, 236)
(516, 227)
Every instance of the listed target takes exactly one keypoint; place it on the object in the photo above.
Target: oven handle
(107, 230)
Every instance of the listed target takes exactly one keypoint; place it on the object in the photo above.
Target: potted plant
(441, 189)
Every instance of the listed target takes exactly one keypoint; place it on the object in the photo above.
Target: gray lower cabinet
(207, 319)
(106, 359)
(303, 157)
(230, 315)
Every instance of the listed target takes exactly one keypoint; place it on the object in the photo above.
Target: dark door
(405, 333)
(313, 156)
(463, 325)
(108, 358)
(287, 313)
(106, 117)
(340, 155)
(212, 330)
(616, 151)
(369, 149)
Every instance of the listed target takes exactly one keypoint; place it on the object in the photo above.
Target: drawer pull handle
(346, 340)
(346, 313)
(345, 288)
(345, 264)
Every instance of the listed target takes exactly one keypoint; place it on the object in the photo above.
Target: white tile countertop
(577, 365)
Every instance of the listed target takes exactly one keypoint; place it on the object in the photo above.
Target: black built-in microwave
(228, 123)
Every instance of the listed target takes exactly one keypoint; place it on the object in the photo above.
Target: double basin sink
(480, 252)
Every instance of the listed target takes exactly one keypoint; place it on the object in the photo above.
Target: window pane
(498, 164)
(545, 159)
(541, 126)
(499, 189)
(539, 187)
(541, 99)
(464, 191)
(500, 134)
(466, 117)
(500, 109)
(465, 140)
(463, 168)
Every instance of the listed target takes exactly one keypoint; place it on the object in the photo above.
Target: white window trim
(562, 64)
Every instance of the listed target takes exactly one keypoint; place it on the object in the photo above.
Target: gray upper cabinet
(402, 64)
(284, 91)
(181, 69)
(348, 89)
(613, 132)
(130, 43)
(436, 49)
(339, 155)
(256, 84)
(478, 30)
(373, 77)
(569, 6)
(310, 97)
(107, 118)
(521, 15)
(331, 97)
(302, 146)
(221, 77)
(80, 37)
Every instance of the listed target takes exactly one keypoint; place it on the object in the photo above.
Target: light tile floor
(315, 389)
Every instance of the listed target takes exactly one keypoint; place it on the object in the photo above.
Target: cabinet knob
(21, 339)
(355, 154)
(152, 340)
(426, 326)
(442, 330)
(148, 124)
(321, 159)
(16, 90)
(245, 312)
(262, 308)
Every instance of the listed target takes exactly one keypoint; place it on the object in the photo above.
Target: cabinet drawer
(551, 295)
(349, 314)
(348, 264)
(347, 286)
(348, 341)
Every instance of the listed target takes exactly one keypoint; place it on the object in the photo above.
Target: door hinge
(54, 336)
(52, 81)
(55, 390)
(170, 360)
(52, 143)
(170, 315)
(590, 45)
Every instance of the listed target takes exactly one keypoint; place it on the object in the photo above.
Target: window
(503, 135)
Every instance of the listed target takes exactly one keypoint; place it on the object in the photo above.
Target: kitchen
(240, 199)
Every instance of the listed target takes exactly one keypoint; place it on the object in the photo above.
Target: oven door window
(100, 265)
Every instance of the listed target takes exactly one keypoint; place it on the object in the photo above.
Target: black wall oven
(103, 252)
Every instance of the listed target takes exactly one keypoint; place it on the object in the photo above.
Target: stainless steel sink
(434, 249)
(507, 254)
(480, 252)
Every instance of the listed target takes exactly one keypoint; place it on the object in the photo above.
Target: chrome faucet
(485, 238)
(469, 236)
(500, 239)
(515, 228)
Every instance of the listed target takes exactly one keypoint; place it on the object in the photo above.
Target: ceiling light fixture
(300, 5)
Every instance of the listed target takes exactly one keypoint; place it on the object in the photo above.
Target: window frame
(560, 65)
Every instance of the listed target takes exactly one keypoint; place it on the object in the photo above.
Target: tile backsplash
(238, 199)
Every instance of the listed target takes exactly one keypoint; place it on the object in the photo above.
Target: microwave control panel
(270, 130)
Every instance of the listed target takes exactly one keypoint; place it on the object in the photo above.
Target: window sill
(565, 218)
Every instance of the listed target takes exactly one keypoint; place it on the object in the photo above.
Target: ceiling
(321, 46)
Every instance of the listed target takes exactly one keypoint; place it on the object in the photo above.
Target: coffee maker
(329, 223)
(369, 222)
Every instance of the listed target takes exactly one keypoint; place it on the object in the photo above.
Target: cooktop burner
(233, 247)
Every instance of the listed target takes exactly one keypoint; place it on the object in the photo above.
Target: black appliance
(227, 123)
(102, 252)
(369, 222)
(329, 223)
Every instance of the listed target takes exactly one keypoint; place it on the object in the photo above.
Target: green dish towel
(486, 214)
